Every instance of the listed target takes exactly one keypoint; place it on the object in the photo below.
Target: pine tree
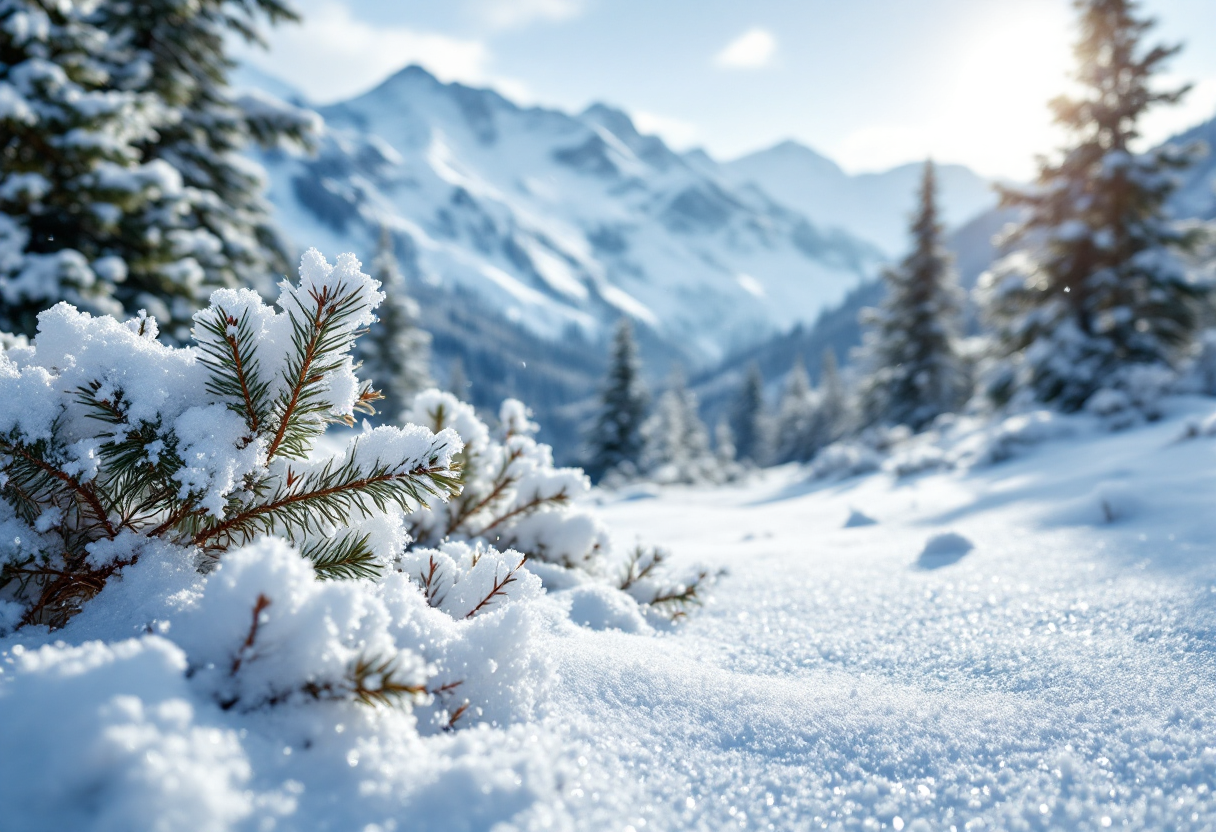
(724, 445)
(748, 418)
(795, 436)
(396, 353)
(218, 230)
(913, 370)
(71, 170)
(614, 441)
(122, 176)
(1097, 287)
(676, 442)
(458, 382)
(833, 411)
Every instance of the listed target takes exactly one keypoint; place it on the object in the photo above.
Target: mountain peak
(650, 149)
(792, 152)
(614, 120)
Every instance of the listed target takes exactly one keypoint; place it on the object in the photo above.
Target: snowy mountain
(872, 206)
(974, 250)
(564, 222)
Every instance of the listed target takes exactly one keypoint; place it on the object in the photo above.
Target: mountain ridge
(563, 220)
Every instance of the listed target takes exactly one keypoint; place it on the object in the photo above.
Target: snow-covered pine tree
(795, 431)
(676, 442)
(833, 412)
(1096, 287)
(748, 419)
(396, 353)
(218, 229)
(913, 372)
(458, 382)
(71, 169)
(724, 450)
(512, 495)
(614, 442)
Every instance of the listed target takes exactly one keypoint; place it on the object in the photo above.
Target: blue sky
(870, 83)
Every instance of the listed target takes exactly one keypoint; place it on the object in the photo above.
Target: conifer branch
(536, 503)
(676, 600)
(235, 374)
(632, 573)
(430, 583)
(375, 681)
(331, 495)
(259, 607)
(470, 508)
(497, 589)
(349, 557)
(318, 340)
(83, 493)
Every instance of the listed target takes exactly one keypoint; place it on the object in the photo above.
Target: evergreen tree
(218, 230)
(71, 169)
(1097, 287)
(796, 430)
(724, 445)
(458, 382)
(748, 418)
(913, 370)
(676, 443)
(833, 410)
(396, 353)
(615, 438)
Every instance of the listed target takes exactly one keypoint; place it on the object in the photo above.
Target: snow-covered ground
(1048, 666)
(1059, 674)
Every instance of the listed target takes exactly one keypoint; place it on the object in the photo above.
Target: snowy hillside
(872, 206)
(563, 221)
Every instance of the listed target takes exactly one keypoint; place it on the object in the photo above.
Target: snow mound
(944, 549)
(857, 519)
(841, 460)
(598, 607)
(108, 739)
(1106, 503)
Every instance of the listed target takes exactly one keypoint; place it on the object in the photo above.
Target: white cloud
(678, 133)
(506, 14)
(752, 49)
(332, 55)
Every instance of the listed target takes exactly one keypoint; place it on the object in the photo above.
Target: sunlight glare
(992, 111)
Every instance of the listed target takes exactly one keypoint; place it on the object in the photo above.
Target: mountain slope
(873, 206)
(563, 222)
(974, 250)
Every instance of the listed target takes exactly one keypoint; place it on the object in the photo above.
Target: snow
(126, 733)
(560, 220)
(1056, 675)
(1020, 643)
